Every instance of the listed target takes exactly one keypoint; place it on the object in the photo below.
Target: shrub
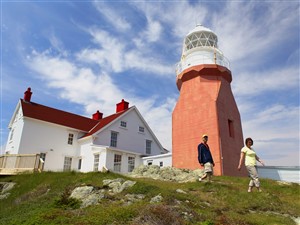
(65, 202)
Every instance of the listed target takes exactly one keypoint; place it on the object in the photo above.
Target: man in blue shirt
(205, 158)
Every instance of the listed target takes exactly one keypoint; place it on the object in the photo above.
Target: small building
(280, 173)
(162, 160)
(66, 141)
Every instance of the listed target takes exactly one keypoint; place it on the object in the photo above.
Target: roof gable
(149, 129)
(105, 122)
(47, 114)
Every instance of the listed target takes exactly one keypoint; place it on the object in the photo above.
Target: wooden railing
(11, 164)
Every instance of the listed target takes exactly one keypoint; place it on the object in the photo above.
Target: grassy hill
(43, 199)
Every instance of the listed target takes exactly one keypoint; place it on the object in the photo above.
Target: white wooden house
(66, 141)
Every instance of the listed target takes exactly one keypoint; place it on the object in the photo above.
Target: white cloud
(76, 84)
(253, 83)
(282, 152)
(136, 60)
(110, 52)
(115, 18)
(113, 56)
(59, 69)
(57, 44)
(266, 123)
(170, 14)
(153, 31)
(245, 36)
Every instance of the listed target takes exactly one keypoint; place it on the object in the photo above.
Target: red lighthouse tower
(205, 105)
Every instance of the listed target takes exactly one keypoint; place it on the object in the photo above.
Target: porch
(12, 164)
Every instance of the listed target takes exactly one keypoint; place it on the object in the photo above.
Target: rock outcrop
(5, 187)
(167, 173)
(90, 195)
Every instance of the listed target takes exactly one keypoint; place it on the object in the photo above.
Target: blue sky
(83, 56)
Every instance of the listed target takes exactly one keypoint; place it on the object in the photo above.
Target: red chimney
(97, 116)
(122, 106)
(27, 95)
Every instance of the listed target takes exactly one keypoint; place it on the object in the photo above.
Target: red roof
(51, 115)
(103, 122)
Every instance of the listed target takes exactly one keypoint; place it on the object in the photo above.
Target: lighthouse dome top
(200, 36)
(200, 46)
(199, 28)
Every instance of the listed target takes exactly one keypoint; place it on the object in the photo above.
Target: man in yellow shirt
(248, 154)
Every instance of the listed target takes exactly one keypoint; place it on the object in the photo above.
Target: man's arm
(200, 154)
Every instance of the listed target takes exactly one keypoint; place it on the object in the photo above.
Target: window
(149, 163)
(123, 124)
(231, 129)
(148, 147)
(141, 129)
(117, 163)
(96, 162)
(130, 163)
(67, 164)
(113, 139)
(70, 139)
(161, 164)
(79, 164)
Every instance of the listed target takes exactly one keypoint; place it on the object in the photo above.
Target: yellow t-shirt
(250, 156)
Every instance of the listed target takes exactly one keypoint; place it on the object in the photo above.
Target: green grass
(43, 199)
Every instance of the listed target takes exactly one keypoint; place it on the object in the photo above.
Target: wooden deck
(12, 164)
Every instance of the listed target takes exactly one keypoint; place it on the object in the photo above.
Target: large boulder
(81, 192)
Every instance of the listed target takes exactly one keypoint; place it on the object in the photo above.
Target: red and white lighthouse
(205, 105)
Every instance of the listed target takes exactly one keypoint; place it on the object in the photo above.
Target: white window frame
(114, 139)
(131, 163)
(96, 162)
(117, 162)
(141, 129)
(123, 124)
(67, 163)
(148, 147)
(70, 139)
